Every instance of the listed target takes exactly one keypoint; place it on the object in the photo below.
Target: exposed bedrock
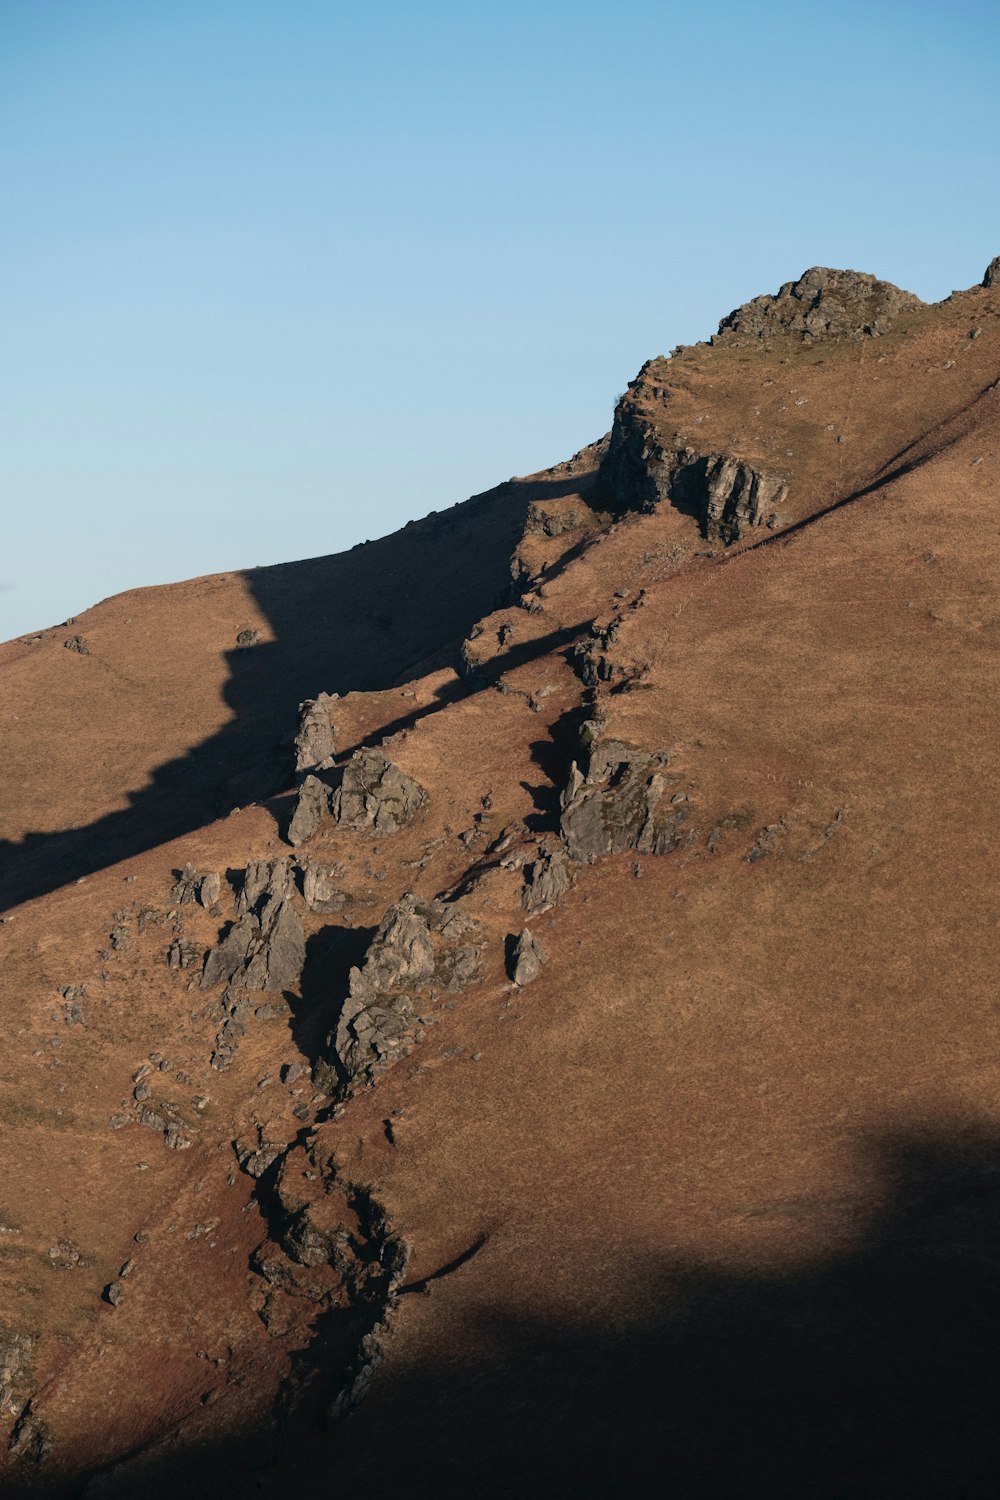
(727, 495)
(374, 796)
(621, 797)
(823, 303)
(420, 949)
(314, 743)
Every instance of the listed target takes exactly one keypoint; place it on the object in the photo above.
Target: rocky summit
(511, 1009)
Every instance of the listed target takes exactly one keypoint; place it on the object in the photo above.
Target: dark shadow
(331, 953)
(356, 621)
(870, 1372)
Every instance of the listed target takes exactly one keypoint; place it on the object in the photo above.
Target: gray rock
(193, 885)
(992, 275)
(375, 795)
(738, 497)
(77, 643)
(229, 956)
(265, 880)
(417, 945)
(314, 743)
(114, 1292)
(823, 303)
(620, 801)
(320, 889)
(277, 953)
(312, 805)
(546, 879)
(527, 958)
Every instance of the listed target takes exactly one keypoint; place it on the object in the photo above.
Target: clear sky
(276, 277)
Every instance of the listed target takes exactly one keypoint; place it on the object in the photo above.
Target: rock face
(527, 957)
(624, 799)
(738, 497)
(375, 795)
(265, 880)
(823, 303)
(278, 953)
(265, 948)
(992, 276)
(314, 743)
(725, 493)
(419, 947)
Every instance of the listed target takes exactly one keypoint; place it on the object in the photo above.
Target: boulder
(526, 959)
(546, 879)
(375, 795)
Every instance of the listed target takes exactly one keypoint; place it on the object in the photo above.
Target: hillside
(564, 1060)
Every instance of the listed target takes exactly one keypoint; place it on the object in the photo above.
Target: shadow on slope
(357, 621)
(873, 1371)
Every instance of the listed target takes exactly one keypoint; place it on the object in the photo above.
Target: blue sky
(276, 277)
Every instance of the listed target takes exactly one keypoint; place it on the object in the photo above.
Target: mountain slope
(707, 1206)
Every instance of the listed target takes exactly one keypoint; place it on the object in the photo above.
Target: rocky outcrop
(229, 955)
(738, 497)
(823, 303)
(726, 494)
(261, 951)
(265, 880)
(320, 889)
(546, 879)
(992, 274)
(314, 743)
(311, 807)
(621, 797)
(375, 795)
(419, 950)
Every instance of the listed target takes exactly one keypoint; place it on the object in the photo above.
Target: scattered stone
(527, 957)
(248, 637)
(314, 743)
(183, 954)
(375, 795)
(77, 643)
(113, 1293)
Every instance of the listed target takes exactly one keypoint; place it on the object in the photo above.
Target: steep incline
(602, 1083)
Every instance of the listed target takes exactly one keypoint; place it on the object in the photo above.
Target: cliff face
(596, 1017)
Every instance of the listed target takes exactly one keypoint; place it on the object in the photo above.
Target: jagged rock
(31, 1437)
(248, 637)
(376, 795)
(314, 743)
(193, 885)
(527, 957)
(77, 643)
(311, 806)
(992, 276)
(823, 303)
(278, 953)
(621, 800)
(263, 881)
(113, 1293)
(417, 944)
(738, 496)
(228, 956)
(545, 880)
(642, 470)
